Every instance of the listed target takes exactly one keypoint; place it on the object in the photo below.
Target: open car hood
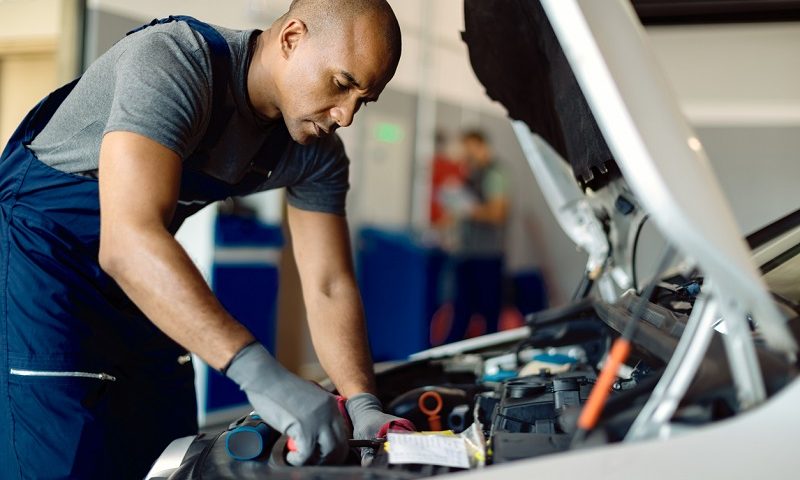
(582, 78)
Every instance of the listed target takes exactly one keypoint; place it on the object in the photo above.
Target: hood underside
(516, 56)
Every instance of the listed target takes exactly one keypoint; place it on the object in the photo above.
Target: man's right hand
(297, 408)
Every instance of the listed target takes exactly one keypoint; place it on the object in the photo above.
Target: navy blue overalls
(89, 387)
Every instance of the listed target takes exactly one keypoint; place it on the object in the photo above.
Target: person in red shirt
(444, 171)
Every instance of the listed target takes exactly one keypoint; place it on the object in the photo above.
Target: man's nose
(343, 113)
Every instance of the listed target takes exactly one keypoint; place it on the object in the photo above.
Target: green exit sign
(389, 132)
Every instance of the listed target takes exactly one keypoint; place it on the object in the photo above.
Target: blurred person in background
(445, 171)
(481, 210)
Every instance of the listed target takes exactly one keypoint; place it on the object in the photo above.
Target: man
(100, 175)
(481, 242)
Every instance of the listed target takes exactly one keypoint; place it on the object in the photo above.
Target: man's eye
(340, 86)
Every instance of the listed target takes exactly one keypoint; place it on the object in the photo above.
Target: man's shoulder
(174, 34)
(178, 36)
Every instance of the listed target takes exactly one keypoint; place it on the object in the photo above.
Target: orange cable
(602, 387)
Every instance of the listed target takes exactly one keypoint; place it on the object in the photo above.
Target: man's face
(326, 80)
(476, 152)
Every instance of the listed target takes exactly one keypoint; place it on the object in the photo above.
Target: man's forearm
(157, 274)
(336, 321)
(493, 212)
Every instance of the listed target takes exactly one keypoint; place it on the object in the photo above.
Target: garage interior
(732, 68)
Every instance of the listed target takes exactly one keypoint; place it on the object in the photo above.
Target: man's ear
(291, 33)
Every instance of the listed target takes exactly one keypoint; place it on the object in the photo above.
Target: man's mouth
(320, 131)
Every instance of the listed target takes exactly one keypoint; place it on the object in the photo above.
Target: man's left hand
(369, 421)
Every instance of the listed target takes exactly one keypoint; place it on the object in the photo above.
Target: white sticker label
(427, 450)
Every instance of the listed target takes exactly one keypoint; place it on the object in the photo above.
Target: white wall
(451, 75)
(21, 19)
(745, 74)
(29, 53)
(739, 85)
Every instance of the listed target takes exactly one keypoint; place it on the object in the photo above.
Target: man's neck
(260, 85)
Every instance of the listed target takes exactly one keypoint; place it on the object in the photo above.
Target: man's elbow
(121, 247)
(111, 257)
(334, 287)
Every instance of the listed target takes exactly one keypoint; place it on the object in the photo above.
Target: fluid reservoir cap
(524, 389)
(562, 384)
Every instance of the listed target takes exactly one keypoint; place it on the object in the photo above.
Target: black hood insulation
(516, 56)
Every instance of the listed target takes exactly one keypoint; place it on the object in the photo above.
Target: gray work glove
(369, 421)
(297, 408)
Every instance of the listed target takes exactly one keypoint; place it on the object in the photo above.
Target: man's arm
(321, 246)
(494, 211)
(139, 187)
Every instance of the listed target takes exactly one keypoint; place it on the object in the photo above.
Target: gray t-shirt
(481, 239)
(157, 83)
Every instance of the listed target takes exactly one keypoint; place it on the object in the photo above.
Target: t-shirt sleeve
(495, 184)
(324, 186)
(161, 91)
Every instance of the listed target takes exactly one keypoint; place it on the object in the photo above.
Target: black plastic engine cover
(508, 446)
(536, 404)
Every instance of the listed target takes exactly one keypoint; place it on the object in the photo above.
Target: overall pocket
(61, 422)
(46, 373)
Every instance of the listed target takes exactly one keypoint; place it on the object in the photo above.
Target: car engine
(524, 394)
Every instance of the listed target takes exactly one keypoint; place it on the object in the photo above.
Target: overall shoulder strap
(220, 72)
(272, 150)
(266, 159)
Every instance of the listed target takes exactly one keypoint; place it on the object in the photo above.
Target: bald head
(318, 64)
(328, 18)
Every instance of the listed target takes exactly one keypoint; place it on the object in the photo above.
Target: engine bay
(523, 392)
